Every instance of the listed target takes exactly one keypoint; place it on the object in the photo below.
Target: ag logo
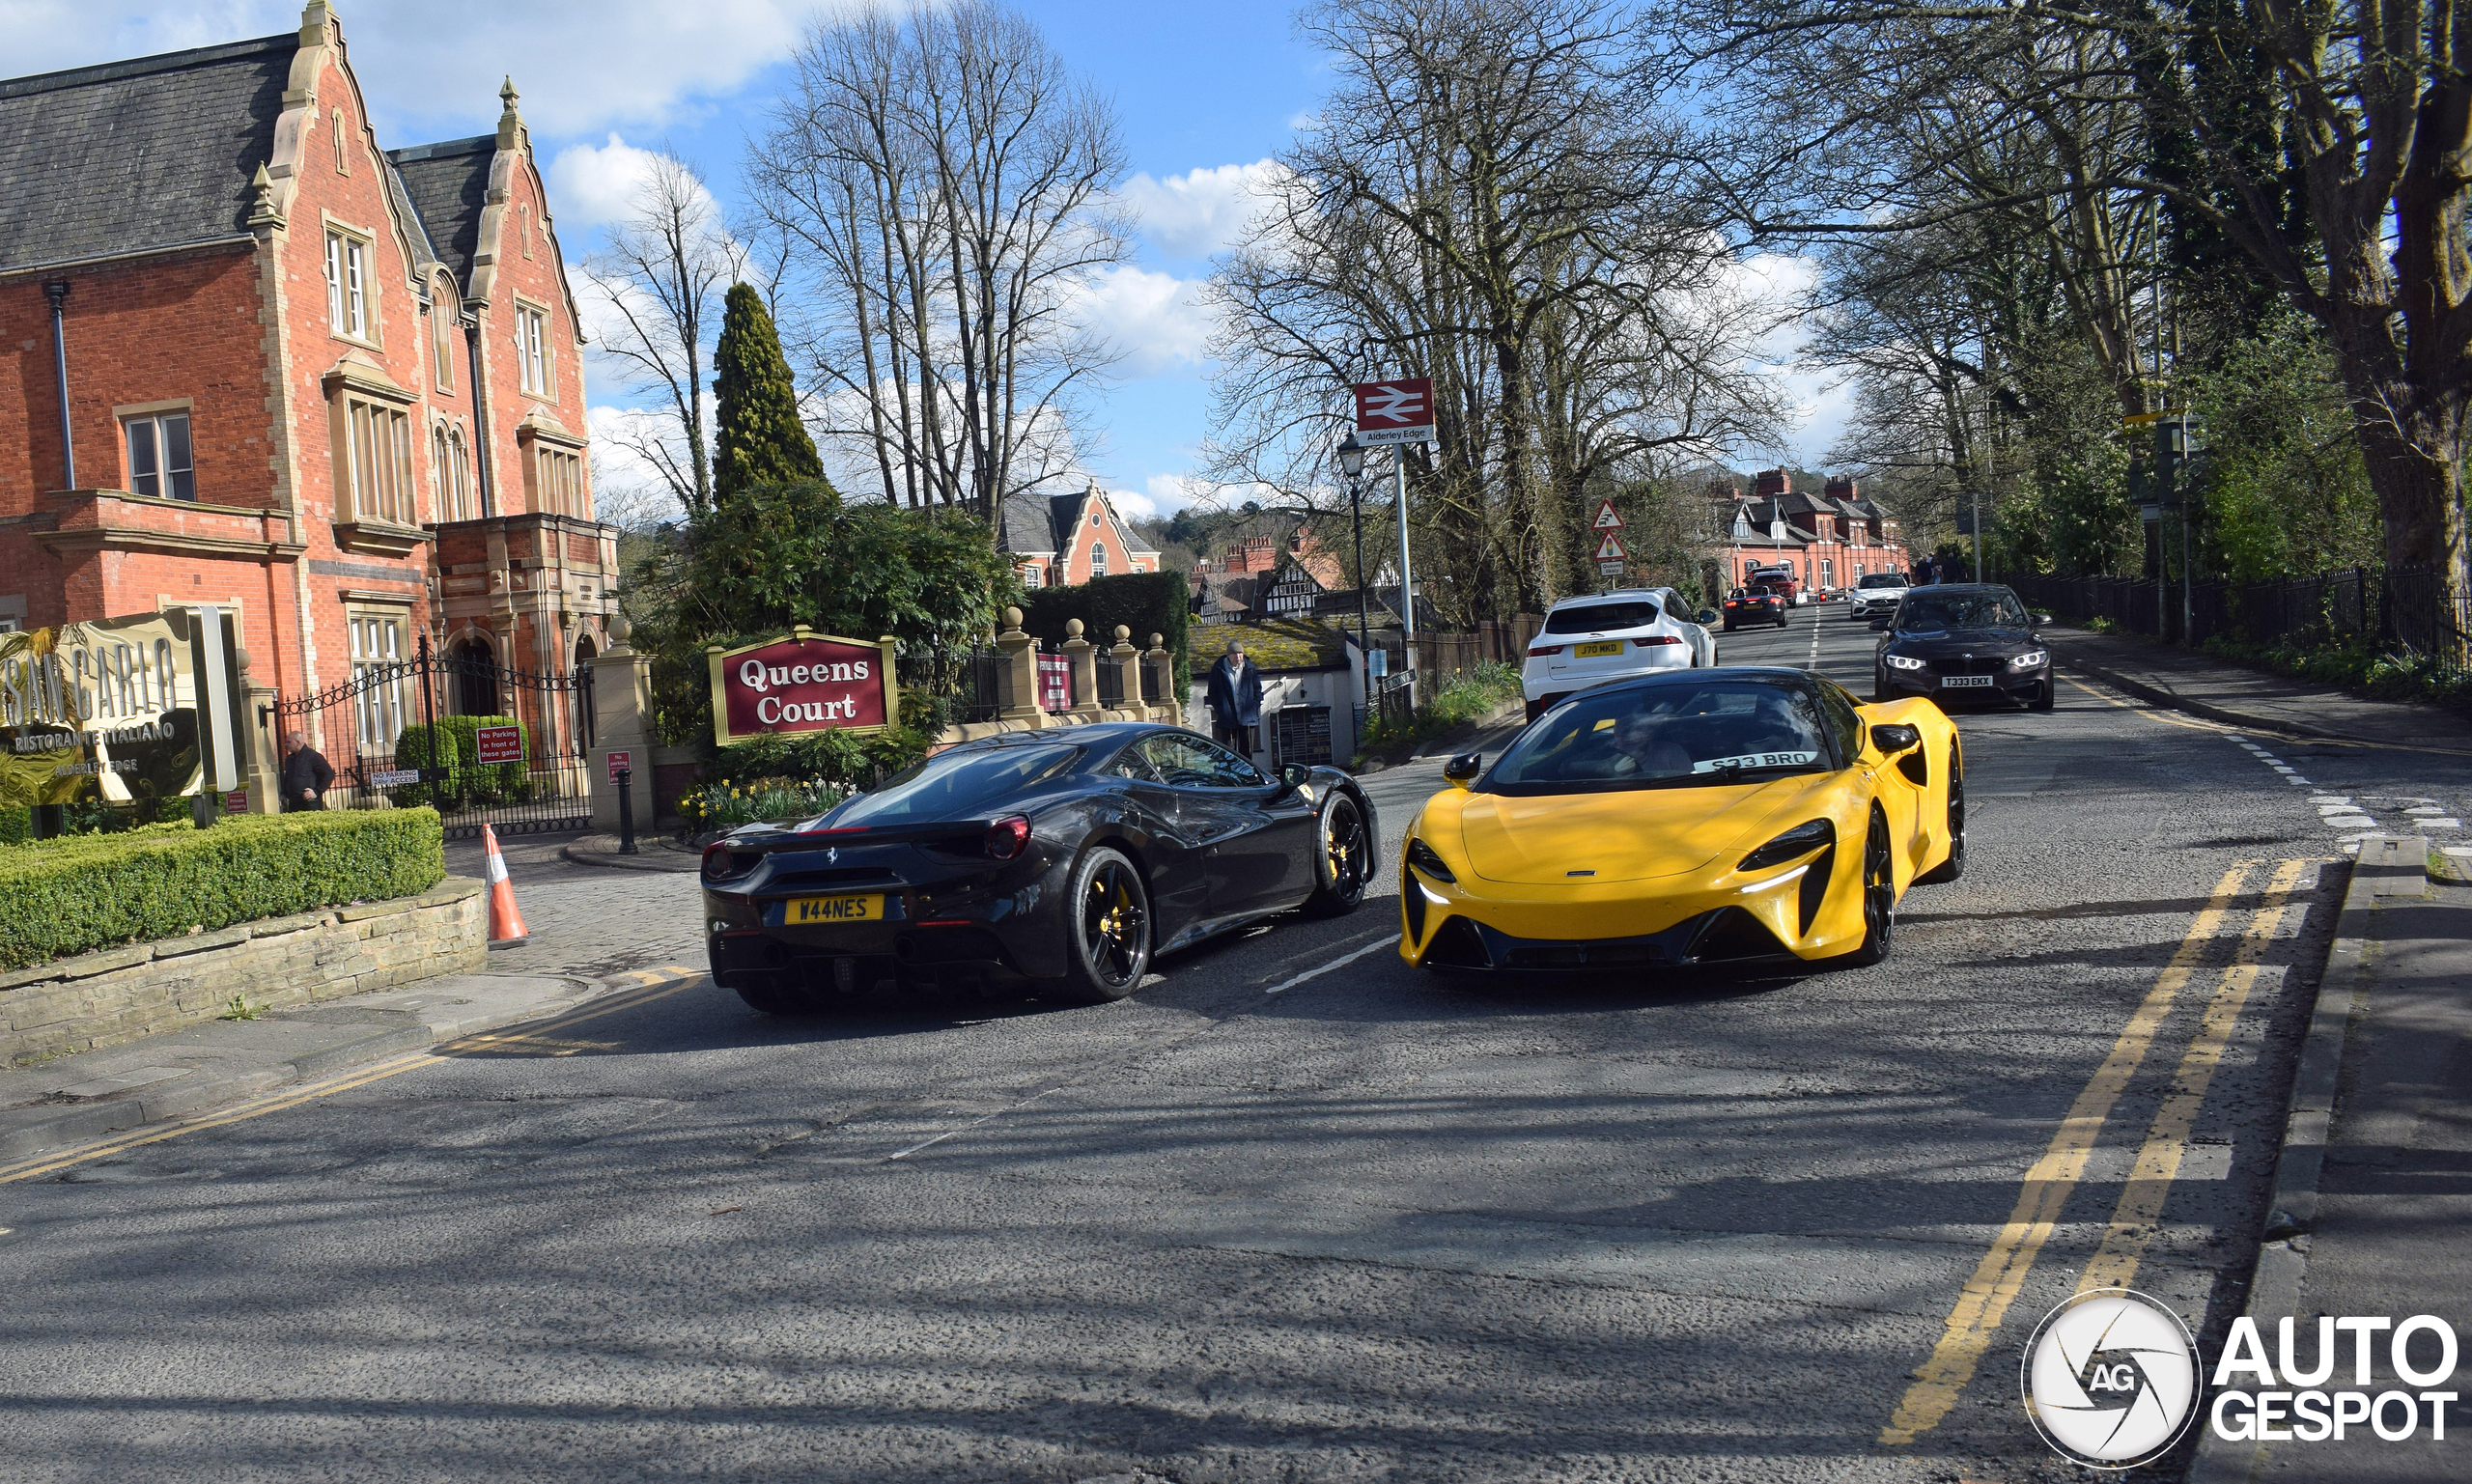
(2111, 1378)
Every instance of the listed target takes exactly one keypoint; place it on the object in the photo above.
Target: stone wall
(118, 995)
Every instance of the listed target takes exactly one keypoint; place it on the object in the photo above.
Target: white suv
(1876, 593)
(1587, 641)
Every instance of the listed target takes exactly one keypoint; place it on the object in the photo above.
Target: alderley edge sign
(121, 710)
(806, 682)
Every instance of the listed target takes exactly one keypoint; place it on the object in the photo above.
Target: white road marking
(1386, 940)
(966, 1128)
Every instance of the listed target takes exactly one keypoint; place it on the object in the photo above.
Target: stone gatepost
(622, 709)
(1083, 655)
(1018, 680)
(1165, 683)
(1128, 663)
(262, 771)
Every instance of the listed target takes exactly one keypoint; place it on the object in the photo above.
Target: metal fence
(483, 743)
(2402, 608)
(971, 678)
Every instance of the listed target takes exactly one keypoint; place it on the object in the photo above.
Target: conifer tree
(758, 438)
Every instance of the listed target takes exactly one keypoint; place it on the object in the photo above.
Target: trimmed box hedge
(450, 743)
(81, 892)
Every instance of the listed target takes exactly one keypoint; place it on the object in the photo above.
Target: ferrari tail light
(1539, 651)
(720, 863)
(1008, 837)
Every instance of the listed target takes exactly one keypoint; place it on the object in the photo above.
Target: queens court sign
(803, 682)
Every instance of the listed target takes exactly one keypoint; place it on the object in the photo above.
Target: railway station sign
(1399, 410)
(803, 682)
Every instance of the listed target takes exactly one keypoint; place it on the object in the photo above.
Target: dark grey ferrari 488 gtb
(1061, 860)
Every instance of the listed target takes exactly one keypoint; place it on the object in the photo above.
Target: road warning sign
(1609, 549)
(1608, 519)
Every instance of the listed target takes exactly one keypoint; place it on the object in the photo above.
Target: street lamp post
(1352, 460)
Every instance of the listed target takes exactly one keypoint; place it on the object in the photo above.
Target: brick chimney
(1772, 483)
(1842, 487)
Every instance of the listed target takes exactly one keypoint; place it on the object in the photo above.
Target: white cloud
(1202, 211)
(596, 183)
(1155, 319)
(627, 487)
(437, 64)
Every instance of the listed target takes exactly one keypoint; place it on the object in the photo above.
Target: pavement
(2373, 1193)
(2237, 695)
(1291, 1211)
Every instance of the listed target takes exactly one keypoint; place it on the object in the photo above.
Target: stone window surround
(532, 309)
(373, 322)
(123, 413)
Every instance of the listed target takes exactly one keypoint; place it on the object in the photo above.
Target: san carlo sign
(121, 710)
(804, 681)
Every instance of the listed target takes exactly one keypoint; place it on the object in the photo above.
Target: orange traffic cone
(506, 923)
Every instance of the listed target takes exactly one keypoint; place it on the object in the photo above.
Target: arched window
(459, 469)
(1098, 560)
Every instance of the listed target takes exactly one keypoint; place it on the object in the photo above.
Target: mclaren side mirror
(1463, 769)
(1709, 616)
(1894, 737)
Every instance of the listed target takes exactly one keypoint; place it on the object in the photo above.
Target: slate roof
(137, 156)
(1033, 522)
(448, 183)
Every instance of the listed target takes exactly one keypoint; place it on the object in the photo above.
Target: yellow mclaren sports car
(1689, 817)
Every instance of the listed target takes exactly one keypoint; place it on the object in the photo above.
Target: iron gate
(484, 744)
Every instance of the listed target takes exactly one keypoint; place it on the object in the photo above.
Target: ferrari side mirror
(1894, 737)
(1463, 769)
(1294, 776)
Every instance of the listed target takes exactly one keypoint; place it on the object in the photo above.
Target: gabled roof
(448, 183)
(1036, 524)
(139, 155)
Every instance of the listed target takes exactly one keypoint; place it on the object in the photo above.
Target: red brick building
(333, 389)
(1065, 540)
(1830, 540)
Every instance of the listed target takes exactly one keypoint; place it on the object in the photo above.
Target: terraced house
(253, 359)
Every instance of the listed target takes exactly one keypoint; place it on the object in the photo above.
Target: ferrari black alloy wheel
(1955, 866)
(1879, 897)
(1342, 859)
(1109, 922)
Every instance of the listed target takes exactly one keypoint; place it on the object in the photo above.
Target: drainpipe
(57, 294)
(482, 471)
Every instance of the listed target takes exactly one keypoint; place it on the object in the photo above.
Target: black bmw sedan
(1963, 641)
(1062, 860)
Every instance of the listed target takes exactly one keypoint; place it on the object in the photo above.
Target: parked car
(1587, 641)
(1876, 593)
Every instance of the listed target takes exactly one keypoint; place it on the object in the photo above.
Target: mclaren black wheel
(1342, 857)
(1879, 899)
(1955, 866)
(1108, 923)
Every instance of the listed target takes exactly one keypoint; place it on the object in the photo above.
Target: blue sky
(1202, 92)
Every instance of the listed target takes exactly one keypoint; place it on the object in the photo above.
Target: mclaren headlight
(1903, 661)
(1421, 856)
(1799, 841)
(2031, 659)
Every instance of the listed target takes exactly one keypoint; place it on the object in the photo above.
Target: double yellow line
(2001, 1276)
(647, 986)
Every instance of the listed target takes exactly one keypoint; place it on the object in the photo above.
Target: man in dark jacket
(1235, 699)
(306, 776)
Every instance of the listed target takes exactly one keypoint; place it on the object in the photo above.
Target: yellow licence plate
(1602, 647)
(807, 910)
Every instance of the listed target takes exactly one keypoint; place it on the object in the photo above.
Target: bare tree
(659, 278)
(942, 184)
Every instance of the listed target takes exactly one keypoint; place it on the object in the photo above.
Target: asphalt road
(1291, 1213)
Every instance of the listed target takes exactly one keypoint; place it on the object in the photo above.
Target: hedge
(80, 892)
(448, 743)
(1147, 602)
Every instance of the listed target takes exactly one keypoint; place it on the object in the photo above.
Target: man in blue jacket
(1235, 700)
